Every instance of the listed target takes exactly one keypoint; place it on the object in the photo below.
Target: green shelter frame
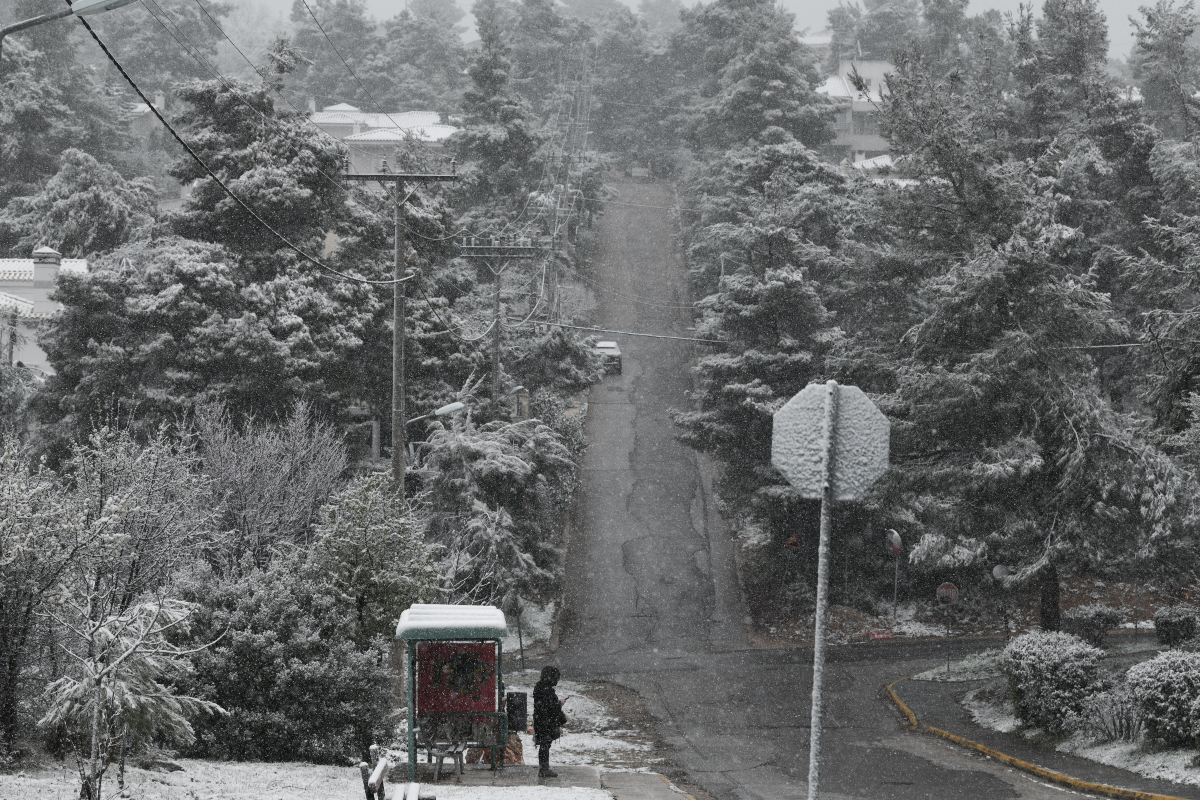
(428, 622)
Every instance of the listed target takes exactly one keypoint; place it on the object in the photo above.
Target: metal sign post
(947, 595)
(896, 545)
(830, 443)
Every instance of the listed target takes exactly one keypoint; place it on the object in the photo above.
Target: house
(373, 138)
(25, 288)
(856, 128)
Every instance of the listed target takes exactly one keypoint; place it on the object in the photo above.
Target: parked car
(611, 355)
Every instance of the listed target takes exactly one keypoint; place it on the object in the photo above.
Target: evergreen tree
(352, 36)
(84, 209)
(745, 72)
(1166, 64)
(499, 139)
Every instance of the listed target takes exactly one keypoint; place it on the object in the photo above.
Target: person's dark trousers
(544, 770)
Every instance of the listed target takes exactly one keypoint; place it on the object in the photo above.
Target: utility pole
(496, 256)
(399, 270)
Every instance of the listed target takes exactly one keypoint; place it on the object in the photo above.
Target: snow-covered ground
(521, 793)
(591, 736)
(214, 780)
(1171, 765)
(991, 709)
(907, 623)
(536, 622)
(977, 666)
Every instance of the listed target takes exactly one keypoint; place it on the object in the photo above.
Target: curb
(673, 787)
(1034, 769)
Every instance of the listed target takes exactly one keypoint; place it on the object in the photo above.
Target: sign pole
(822, 612)
(831, 443)
(896, 591)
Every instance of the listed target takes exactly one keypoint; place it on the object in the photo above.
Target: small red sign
(794, 543)
(456, 677)
(947, 594)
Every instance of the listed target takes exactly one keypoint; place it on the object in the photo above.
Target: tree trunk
(1050, 616)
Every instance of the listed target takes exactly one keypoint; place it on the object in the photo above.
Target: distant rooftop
(346, 114)
(425, 133)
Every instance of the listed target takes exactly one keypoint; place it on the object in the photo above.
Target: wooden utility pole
(399, 271)
(496, 255)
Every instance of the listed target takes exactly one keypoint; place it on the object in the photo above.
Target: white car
(611, 355)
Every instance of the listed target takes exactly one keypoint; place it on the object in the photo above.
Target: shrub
(1050, 675)
(1091, 622)
(1174, 625)
(1113, 715)
(1167, 689)
(285, 668)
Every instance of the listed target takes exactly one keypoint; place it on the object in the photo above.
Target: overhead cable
(633, 333)
(263, 223)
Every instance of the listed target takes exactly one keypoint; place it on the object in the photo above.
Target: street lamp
(449, 408)
(79, 8)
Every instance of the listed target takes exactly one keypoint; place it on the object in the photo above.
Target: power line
(263, 223)
(252, 66)
(632, 333)
(449, 328)
(346, 64)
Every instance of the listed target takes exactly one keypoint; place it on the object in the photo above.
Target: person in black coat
(548, 719)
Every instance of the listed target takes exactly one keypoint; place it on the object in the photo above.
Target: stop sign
(947, 594)
(860, 442)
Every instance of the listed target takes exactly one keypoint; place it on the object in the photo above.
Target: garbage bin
(516, 706)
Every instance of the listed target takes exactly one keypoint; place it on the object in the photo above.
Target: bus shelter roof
(433, 621)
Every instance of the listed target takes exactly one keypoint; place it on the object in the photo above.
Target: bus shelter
(455, 679)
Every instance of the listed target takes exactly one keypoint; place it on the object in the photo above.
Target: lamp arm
(29, 23)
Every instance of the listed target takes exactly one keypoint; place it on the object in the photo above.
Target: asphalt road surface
(651, 597)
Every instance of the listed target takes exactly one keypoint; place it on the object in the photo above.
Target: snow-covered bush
(1174, 625)
(1050, 675)
(1167, 689)
(1091, 622)
(1113, 715)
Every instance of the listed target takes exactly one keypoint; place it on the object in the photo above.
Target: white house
(857, 124)
(25, 288)
(373, 138)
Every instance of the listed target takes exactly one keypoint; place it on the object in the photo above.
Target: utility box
(516, 704)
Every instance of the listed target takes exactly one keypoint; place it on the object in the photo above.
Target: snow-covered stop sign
(947, 594)
(860, 442)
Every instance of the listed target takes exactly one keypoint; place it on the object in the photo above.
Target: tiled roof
(21, 269)
(9, 302)
(349, 115)
(426, 133)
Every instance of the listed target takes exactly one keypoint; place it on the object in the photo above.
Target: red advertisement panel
(456, 677)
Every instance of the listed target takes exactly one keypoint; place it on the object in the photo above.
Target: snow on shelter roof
(433, 621)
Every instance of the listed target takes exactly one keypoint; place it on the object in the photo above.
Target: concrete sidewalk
(623, 785)
(936, 705)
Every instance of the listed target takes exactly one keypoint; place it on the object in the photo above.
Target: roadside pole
(831, 443)
(499, 252)
(822, 613)
(399, 274)
(896, 545)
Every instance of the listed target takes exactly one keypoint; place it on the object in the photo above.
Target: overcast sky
(811, 14)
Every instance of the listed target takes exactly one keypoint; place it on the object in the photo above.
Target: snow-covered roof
(10, 302)
(873, 72)
(21, 269)
(343, 114)
(878, 162)
(425, 133)
(435, 621)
